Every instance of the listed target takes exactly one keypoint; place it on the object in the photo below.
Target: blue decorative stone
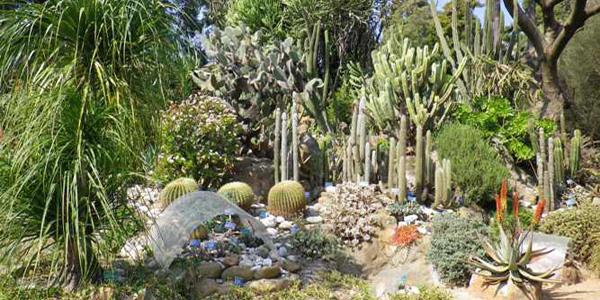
(571, 202)
(263, 214)
(307, 195)
(210, 245)
(245, 231)
(238, 281)
(228, 212)
(230, 225)
(328, 184)
(195, 243)
(294, 229)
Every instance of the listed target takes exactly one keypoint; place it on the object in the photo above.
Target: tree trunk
(72, 273)
(554, 98)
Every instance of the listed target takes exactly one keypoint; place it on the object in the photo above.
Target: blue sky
(478, 11)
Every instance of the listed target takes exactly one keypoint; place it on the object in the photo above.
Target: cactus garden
(296, 149)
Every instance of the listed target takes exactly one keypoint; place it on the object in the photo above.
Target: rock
(272, 231)
(410, 219)
(262, 251)
(570, 274)
(314, 220)
(596, 201)
(422, 230)
(285, 225)
(267, 272)
(282, 251)
(290, 266)
(231, 260)
(472, 212)
(206, 287)
(264, 286)
(478, 288)
(279, 219)
(257, 172)
(208, 270)
(269, 222)
(243, 272)
(104, 293)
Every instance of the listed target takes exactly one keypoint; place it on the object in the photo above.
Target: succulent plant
(510, 257)
(287, 199)
(239, 193)
(176, 189)
(575, 152)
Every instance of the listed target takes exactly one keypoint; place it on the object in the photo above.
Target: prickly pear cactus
(176, 189)
(287, 199)
(239, 193)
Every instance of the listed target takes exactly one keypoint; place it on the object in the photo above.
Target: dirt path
(587, 290)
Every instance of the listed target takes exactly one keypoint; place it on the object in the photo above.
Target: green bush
(453, 240)
(425, 293)
(316, 244)
(199, 140)
(581, 225)
(594, 263)
(264, 15)
(497, 118)
(476, 167)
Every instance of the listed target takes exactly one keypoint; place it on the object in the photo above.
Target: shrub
(594, 263)
(453, 240)
(581, 225)
(425, 293)
(315, 244)
(497, 118)
(199, 140)
(476, 167)
(352, 212)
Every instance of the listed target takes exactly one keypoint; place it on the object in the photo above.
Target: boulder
(206, 287)
(243, 272)
(290, 266)
(231, 260)
(267, 272)
(479, 289)
(208, 270)
(257, 172)
(264, 286)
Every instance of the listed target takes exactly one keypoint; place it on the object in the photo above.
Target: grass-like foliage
(476, 167)
(82, 83)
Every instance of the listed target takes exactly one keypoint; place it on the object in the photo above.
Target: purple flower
(210, 245)
(307, 195)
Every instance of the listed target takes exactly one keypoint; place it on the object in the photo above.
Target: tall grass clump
(81, 85)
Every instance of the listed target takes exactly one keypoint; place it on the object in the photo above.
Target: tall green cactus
(401, 178)
(367, 175)
(391, 163)
(563, 134)
(295, 159)
(443, 184)
(550, 169)
(429, 166)
(284, 147)
(559, 165)
(419, 164)
(277, 145)
(575, 162)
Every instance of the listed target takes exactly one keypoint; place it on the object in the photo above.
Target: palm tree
(83, 81)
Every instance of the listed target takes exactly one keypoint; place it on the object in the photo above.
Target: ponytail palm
(83, 82)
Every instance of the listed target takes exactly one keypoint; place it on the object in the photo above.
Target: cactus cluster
(443, 184)
(281, 146)
(411, 78)
(287, 199)
(355, 160)
(239, 193)
(176, 189)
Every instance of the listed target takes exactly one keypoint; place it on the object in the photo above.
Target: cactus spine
(277, 144)
(295, 163)
(419, 163)
(287, 199)
(177, 188)
(391, 163)
(284, 147)
(575, 152)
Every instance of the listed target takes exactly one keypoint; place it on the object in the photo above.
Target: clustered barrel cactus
(177, 188)
(287, 199)
(239, 193)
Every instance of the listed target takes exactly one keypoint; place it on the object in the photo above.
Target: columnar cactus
(429, 166)
(546, 179)
(419, 163)
(550, 169)
(287, 199)
(284, 147)
(367, 175)
(295, 160)
(403, 134)
(277, 144)
(563, 135)
(239, 193)
(559, 165)
(575, 152)
(401, 178)
(391, 163)
(177, 188)
(443, 184)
